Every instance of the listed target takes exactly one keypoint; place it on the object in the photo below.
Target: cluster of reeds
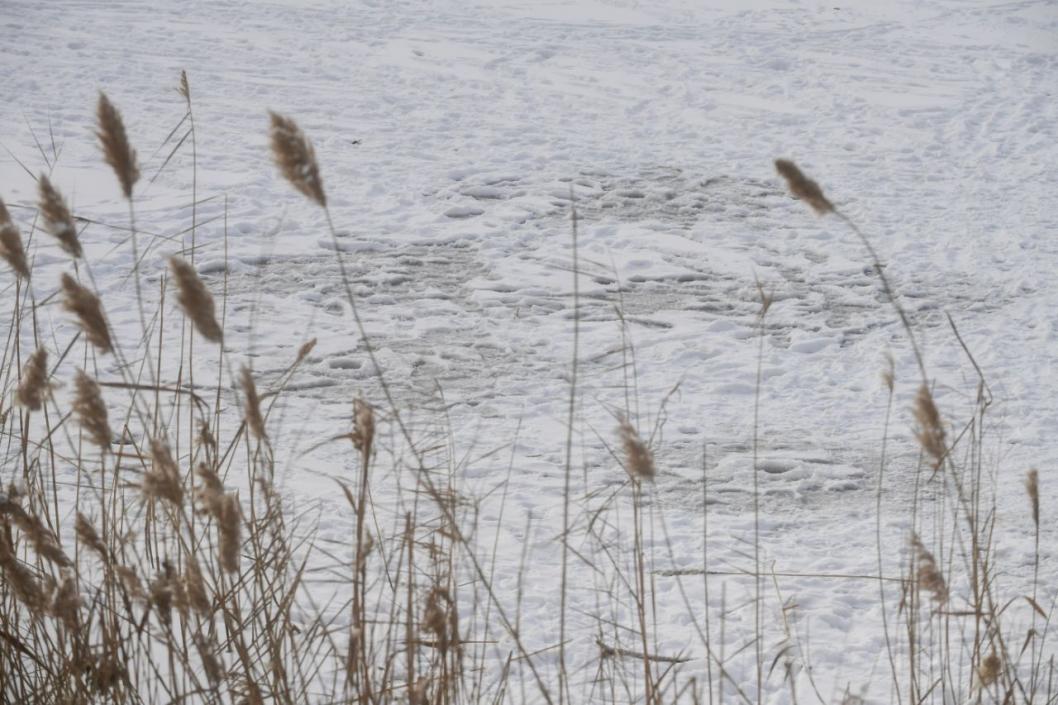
(149, 553)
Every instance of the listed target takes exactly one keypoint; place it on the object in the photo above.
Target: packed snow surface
(455, 137)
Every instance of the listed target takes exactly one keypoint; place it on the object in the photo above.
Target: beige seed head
(363, 426)
(33, 388)
(252, 402)
(639, 461)
(195, 300)
(88, 535)
(230, 533)
(163, 480)
(929, 575)
(115, 143)
(989, 670)
(185, 89)
(195, 587)
(930, 431)
(803, 187)
(91, 411)
(57, 218)
(296, 158)
(11, 248)
(1032, 486)
(81, 302)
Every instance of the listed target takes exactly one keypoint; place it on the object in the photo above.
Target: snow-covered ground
(452, 136)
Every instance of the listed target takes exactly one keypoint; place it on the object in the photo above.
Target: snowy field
(453, 138)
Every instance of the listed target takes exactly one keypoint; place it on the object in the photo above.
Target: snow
(453, 138)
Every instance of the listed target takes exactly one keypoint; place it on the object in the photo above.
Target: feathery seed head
(116, 150)
(195, 300)
(639, 461)
(803, 187)
(80, 301)
(296, 158)
(11, 248)
(91, 411)
(57, 218)
(33, 388)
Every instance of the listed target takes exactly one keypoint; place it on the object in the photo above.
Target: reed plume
(81, 302)
(195, 300)
(363, 426)
(803, 187)
(639, 461)
(17, 576)
(33, 388)
(91, 411)
(296, 158)
(116, 150)
(11, 248)
(230, 533)
(1032, 486)
(930, 432)
(928, 573)
(57, 218)
(88, 535)
(254, 419)
(163, 480)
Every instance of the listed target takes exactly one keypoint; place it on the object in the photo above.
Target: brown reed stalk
(296, 158)
(11, 249)
(116, 150)
(91, 411)
(639, 461)
(803, 187)
(81, 302)
(195, 300)
(33, 388)
(57, 218)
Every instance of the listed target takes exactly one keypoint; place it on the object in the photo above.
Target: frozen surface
(452, 137)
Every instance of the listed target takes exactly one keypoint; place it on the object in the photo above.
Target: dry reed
(803, 187)
(296, 158)
(116, 150)
(195, 300)
(57, 218)
(81, 302)
(639, 461)
(252, 404)
(11, 249)
(928, 573)
(91, 411)
(33, 387)
(930, 431)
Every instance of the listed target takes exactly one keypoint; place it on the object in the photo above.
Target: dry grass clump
(116, 150)
(195, 300)
(11, 249)
(80, 301)
(205, 586)
(296, 158)
(57, 218)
